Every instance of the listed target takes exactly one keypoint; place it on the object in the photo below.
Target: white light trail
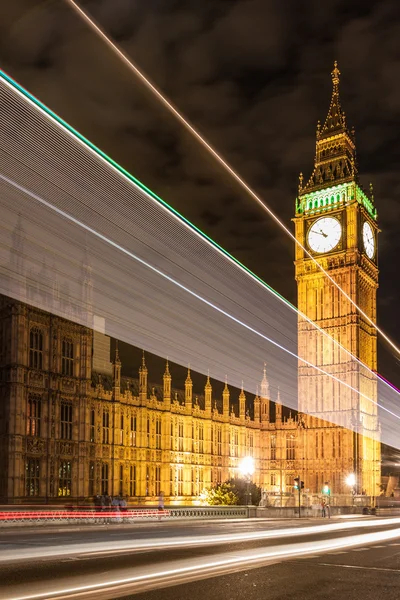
(200, 138)
(118, 546)
(192, 293)
(197, 568)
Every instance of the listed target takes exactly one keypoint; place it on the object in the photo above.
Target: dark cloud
(254, 77)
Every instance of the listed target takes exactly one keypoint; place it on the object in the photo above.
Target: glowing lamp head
(246, 466)
(351, 480)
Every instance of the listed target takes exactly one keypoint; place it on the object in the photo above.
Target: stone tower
(336, 222)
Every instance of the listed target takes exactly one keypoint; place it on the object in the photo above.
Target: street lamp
(246, 468)
(351, 481)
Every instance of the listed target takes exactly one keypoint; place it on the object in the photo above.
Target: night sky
(254, 77)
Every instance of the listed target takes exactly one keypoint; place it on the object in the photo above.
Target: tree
(240, 487)
(221, 494)
(233, 492)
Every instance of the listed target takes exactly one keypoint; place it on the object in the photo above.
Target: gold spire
(117, 359)
(336, 118)
(167, 368)
(188, 378)
(335, 74)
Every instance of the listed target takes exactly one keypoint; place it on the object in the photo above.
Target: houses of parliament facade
(71, 426)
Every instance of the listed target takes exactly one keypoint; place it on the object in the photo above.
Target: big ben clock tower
(336, 222)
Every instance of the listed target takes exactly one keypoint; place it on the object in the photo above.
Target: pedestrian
(323, 509)
(160, 505)
(328, 510)
(123, 507)
(115, 509)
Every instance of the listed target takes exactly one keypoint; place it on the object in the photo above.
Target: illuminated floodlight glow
(178, 115)
(246, 466)
(351, 480)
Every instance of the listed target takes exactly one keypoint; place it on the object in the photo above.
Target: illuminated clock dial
(324, 234)
(368, 240)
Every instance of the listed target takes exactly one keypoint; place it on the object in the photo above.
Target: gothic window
(132, 432)
(250, 444)
(219, 441)
(64, 478)
(148, 433)
(180, 436)
(290, 448)
(158, 433)
(33, 415)
(121, 430)
(67, 357)
(201, 438)
(273, 447)
(92, 425)
(91, 478)
(32, 477)
(36, 348)
(66, 421)
(158, 480)
(180, 480)
(106, 427)
(273, 479)
(132, 480)
(104, 478)
(121, 480)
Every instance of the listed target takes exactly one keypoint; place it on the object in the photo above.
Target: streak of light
(190, 292)
(198, 568)
(171, 211)
(120, 546)
(200, 138)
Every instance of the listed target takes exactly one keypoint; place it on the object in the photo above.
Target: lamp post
(246, 468)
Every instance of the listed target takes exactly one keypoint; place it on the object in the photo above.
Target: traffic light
(297, 483)
(302, 485)
(326, 489)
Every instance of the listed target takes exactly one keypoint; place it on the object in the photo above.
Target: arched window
(33, 415)
(67, 357)
(36, 348)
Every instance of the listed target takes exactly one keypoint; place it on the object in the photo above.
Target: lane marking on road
(359, 567)
(360, 549)
(384, 546)
(395, 544)
(335, 553)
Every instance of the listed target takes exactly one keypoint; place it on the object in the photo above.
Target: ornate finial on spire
(353, 132)
(318, 128)
(167, 368)
(242, 388)
(300, 181)
(257, 391)
(117, 359)
(226, 383)
(188, 378)
(143, 359)
(335, 74)
(371, 191)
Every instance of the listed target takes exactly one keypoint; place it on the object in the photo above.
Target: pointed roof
(336, 118)
(335, 158)
(188, 378)
(143, 367)
(226, 389)
(264, 383)
(166, 372)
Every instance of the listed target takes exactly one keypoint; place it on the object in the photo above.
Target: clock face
(369, 240)
(324, 234)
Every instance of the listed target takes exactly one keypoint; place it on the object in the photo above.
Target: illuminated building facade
(336, 221)
(71, 426)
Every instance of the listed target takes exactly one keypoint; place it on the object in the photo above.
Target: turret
(225, 400)
(143, 380)
(167, 379)
(207, 396)
(264, 397)
(116, 374)
(278, 408)
(257, 403)
(189, 391)
(242, 404)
